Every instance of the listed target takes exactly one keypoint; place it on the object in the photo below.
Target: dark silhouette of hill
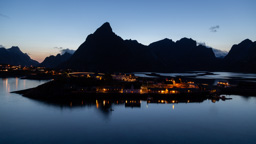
(104, 51)
(55, 61)
(241, 57)
(14, 56)
(185, 54)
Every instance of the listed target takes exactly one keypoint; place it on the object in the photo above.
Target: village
(130, 84)
(30, 72)
(114, 83)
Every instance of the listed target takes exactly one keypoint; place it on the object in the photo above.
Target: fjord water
(23, 120)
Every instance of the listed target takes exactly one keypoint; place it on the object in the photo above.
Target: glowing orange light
(97, 104)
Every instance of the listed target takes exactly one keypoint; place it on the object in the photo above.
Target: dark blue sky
(37, 26)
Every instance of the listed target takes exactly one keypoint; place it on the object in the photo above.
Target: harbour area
(121, 87)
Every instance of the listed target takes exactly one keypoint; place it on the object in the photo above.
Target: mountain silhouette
(104, 51)
(14, 56)
(241, 57)
(55, 61)
(183, 55)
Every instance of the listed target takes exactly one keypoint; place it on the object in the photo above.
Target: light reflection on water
(23, 120)
(204, 75)
(6, 84)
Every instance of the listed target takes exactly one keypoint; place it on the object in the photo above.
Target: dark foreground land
(79, 90)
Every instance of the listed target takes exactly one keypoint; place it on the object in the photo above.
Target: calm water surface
(203, 75)
(24, 120)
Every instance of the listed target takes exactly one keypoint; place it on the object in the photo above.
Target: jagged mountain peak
(104, 51)
(186, 43)
(104, 29)
(247, 41)
(241, 57)
(15, 49)
(14, 56)
(186, 40)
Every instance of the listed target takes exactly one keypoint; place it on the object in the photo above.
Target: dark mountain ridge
(55, 61)
(104, 51)
(14, 56)
(183, 55)
(241, 57)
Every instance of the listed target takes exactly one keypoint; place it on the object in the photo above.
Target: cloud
(64, 50)
(218, 53)
(203, 44)
(1, 46)
(67, 50)
(60, 48)
(214, 28)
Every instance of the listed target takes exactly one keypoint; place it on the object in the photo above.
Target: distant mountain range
(182, 55)
(14, 56)
(104, 51)
(55, 61)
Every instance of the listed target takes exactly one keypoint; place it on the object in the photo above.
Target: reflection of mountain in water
(106, 106)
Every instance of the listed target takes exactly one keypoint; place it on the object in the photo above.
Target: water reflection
(101, 104)
(115, 120)
(13, 84)
(107, 107)
(203, 75)
(105, 104)
(16, 83)
(24, 83)
(6, 84)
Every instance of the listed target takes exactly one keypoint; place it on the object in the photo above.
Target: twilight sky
(39, 26)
